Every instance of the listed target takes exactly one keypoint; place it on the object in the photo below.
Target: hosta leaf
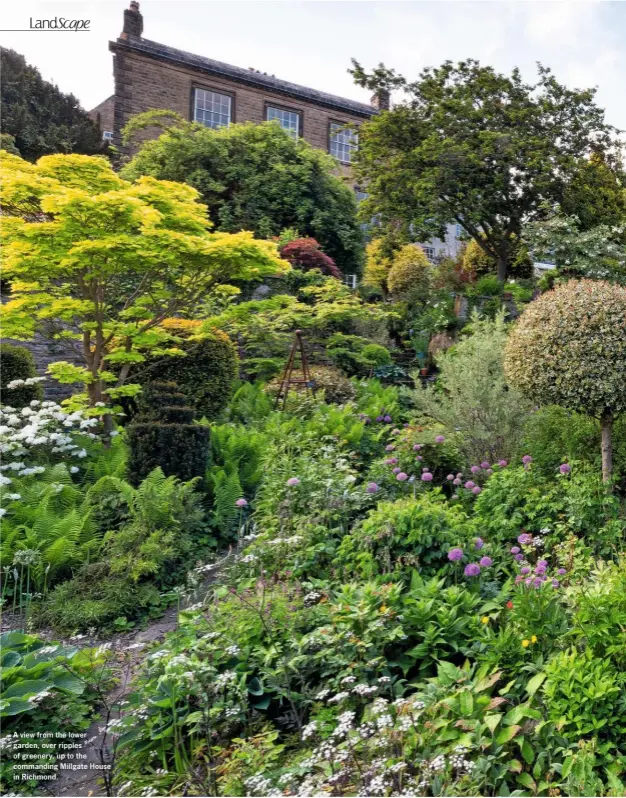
(14, 706)
(69, 682)
(26, 687)
(507, 734)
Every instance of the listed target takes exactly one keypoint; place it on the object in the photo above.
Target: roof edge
(171, 55)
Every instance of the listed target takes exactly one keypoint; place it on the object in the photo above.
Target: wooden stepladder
(288, 378)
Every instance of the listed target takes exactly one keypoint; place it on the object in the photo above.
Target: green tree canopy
(483, 150)
(40, 117)
(568, 348)
(255, 177)
(108, 261)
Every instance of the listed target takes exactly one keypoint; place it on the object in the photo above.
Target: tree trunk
(606, 424)
(502, 268)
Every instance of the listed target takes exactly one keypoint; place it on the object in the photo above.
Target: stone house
(149, 75)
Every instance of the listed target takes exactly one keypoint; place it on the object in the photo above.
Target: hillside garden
(409, 580)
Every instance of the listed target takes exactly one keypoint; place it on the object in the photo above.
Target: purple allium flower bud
(525, 539)
(528, 581)
(489, 471)
(565, 468)
(519, 557)
(475, 469)
(406, 424)
(540, 570)
(390, 447)
(427, 477)
(476, 490)
(518, 579)
(402, 477)
(293, 482)
(542, 563)
(478, 543)
(473, 569)
(417, 447)
(241, 503)
(514, 549)
(525, 570)
(395, 431)
(419, 458)
(372, 487)
(485, 562)
(459, 475)
(455, 554)
(562, 571)
(485, 465)
(469, 484)
(426, 469)
(396, 470)
(555, 583)
(457, 482)
(502, 463)
(391, 461)
(387, 419)
(527, 459)
(537, 582)
(450, 477)
(439, 439)
(379, 418)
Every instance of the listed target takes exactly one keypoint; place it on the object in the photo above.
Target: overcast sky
(312, 42)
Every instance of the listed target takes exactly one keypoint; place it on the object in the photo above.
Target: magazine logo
(60, 23)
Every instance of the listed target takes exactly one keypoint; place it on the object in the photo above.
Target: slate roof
(246, 76)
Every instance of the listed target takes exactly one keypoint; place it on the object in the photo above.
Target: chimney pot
(381, 100)
(133, 21)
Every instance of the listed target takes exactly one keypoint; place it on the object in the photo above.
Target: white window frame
(430, 253)
(107, 135)
(343, 141)
(278, 110)
(212, 108)
(350, 280)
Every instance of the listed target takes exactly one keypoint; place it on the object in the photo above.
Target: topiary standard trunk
(164, 434)
(606, 425)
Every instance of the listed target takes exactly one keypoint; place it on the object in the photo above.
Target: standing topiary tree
(569, 348)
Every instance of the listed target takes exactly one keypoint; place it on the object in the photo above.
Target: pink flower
(525, 570)
(475, 469)
(514, 549)
(419, 458)
(476, 490)
(469, 484)
(391, 461)
(485, 465)
(427, 477)
(293, 482)
(457, 482)
(402, 477)
(455, 554)
(527, 459)
(502, 463)
(565, 468)
(450, 477)
(485, 562)
(241, 503)
(439, 439)
(525, 539)
(479, 543)
(396, 470)
(387, 419)
(417, 447)
(372, 487)
(390, 447)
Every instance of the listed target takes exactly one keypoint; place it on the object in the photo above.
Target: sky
(311, 43)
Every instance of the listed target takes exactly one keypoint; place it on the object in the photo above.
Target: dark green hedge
(163, 434)
(17, 363)
(206, 373)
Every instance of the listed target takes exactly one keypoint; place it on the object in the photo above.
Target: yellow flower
(484, 619)
(533, 639)
(525, 643)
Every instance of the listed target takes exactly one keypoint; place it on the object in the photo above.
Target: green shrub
(405, 535)
(164, 435)
(585, 695)
(206, 372)
(18, 364)
(355, 355)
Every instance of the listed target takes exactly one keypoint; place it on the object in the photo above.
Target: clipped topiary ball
(410, 272)
(18, 363)
(568, 348)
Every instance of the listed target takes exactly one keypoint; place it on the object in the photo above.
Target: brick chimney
(381, 100)
(133, 21)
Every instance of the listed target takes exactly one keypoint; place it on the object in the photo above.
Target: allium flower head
(450, 477)
(565, 468)
(396, 470)
(527, 459)
(372, 487)
(387, 419)
(427, 476)
(473, 569)
(390, 447)
(514, 549)
(562, 571)
(439, 439)
(479, 543)
(455, 554)
(502, 463)
(293, 482)
(525, 539)
(417, 447)
(475, 469)
(485, 562)
(485, 465)
(476, 490)
(469, 484)
(241, 503)
(457, 482)
(401, 477)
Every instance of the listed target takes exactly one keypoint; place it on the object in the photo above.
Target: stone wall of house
(143, 83)
(45, 351)
(102, 114)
